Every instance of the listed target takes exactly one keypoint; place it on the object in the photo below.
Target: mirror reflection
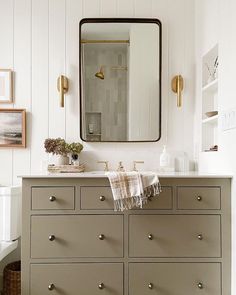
(120, 79)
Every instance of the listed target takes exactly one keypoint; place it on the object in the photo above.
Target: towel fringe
(138, 201)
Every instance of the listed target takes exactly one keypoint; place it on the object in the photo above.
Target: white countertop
(101, 174)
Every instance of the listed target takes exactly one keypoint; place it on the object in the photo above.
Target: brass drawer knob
(200, 285)
(102, 198)
(52, 198)
(150, 286)
(51, 287)
(200, 237)
(51, 238)
(101, 286)
(150, 236)
(101, 237)
(199, 198)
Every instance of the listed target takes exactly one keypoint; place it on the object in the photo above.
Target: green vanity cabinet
(74, 243)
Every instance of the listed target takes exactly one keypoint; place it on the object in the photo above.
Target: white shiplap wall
(39, 41)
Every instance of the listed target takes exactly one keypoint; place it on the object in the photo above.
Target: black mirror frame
(122, 20)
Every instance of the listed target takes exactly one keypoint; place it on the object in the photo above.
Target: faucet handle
(106, 167)
(120, 167)
(137, 162)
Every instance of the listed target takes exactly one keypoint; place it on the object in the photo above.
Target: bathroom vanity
(74, 243)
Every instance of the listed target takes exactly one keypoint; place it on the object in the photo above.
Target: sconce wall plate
(62, 87)
(177, 85)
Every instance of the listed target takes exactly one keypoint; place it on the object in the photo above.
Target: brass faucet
(137, 162)
(120, 167)
(106, 167)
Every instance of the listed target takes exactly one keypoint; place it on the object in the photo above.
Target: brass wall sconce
(177, 85)
(62, 87)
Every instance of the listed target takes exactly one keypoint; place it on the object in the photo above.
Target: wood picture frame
(13, 128)
(6, 86)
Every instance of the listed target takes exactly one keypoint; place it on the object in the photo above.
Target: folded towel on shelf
(132, 189)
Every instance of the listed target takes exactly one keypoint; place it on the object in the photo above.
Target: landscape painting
(12, 128)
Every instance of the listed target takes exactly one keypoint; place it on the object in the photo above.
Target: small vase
(75, 159)
(61, 160)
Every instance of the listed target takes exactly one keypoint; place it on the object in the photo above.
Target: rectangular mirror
(120, 80)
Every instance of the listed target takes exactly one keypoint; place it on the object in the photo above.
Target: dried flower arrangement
(58, 146)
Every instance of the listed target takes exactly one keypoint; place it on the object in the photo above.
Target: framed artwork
(12, 128)
(6, 88)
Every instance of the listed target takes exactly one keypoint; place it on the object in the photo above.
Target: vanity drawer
(74, 279)
(53, 198)
(174, 236)
(175, 278)
(96, 197)
(76, 236)
(199, 198)
(163, 201)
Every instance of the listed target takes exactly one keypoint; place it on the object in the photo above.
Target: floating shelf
(209, 91)
(211, 120)
(211, 87)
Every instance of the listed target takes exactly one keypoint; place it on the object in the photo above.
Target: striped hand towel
(132, 189)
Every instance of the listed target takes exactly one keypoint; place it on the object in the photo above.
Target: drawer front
(53, 198)
(77, 236)
(101, 198)
(163, 201)
(74, 279)
(96, 197)
(199, 198)
(174, 236)
(175, 278)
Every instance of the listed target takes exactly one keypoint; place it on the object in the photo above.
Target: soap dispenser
(164, 160)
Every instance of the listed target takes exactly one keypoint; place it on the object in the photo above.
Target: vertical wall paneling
(176, 65)
(143, 8)
(189, 75)
(22, 68)
(125, 8)
(52, 49)
(160, 11)
(109, 8)
(56, 64)
(40, 81)
(74, 11)
(6, 61)
(91, 8)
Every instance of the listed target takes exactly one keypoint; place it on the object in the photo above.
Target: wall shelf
(211, 120)
(211, 87)
(209, 101)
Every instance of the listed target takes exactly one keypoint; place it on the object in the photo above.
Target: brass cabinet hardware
(101, 237)
(200, 237)
(101, 286)
(52, 199)
(51, 287)
(51, 238)
(120, 167)
(150, 286)
(137, 162)
(200, 285)
(150, 236)
(62, 87)
(102, 198)
(199, 198)
(177, 86)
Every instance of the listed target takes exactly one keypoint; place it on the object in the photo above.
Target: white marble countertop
(101, 174)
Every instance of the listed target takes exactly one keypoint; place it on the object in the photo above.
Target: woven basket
(12, 279)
